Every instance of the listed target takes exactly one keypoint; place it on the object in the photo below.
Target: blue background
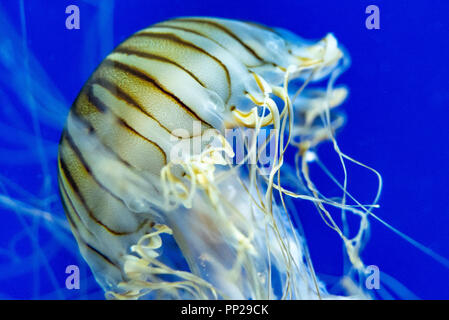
(397, 116)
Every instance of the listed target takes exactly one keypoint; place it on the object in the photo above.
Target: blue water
(397, 115)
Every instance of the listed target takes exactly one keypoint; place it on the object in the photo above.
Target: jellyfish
(149, 169)
(175, 166)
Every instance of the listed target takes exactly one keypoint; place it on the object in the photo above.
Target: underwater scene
(242, 150)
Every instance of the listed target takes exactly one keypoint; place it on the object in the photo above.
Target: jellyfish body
(135, 191)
